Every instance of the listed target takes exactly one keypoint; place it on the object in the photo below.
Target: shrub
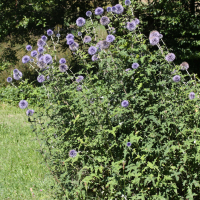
(126, 124)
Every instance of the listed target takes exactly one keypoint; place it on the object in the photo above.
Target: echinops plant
(126, 125)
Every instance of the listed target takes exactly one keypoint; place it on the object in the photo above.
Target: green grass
(22, 168)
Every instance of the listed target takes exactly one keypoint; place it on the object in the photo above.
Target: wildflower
(25, 59)
(131, 26)
(127, 2)
(79, 79)
(92, 50)
(127, 69)
(41, 64)
(9, 79)
(62, 61)
(191, 95)
(87, 39)
(29, 112)
(154, 34)
(114, 9)
(40, 50)
(124, 103)
(34, 53)
(58, 35)
(95, 57)
(135, 65)
(119, 9)
(184, 66)
(98, 45)
(104, 20)
(41, 78)
(99, 11)
(49, 32)
(170, 57)
(80, 21)
(48, 77)
(110, 38)
(41, 43)
(79, 33)
(112, 31)
(17, 76)
(44, 38)
(23, 104)
(69, 36)
(63, 67)
(74, 46)
(109, 9)
(70, 41)
(154, 40)
(176, 78)
(105, 44)
(72, 153)
(160, 36)
(128, 144)
(88, 13)
(79, 88)
(137, 21)
(47, 58)
(41, 58)
(28, 47)
(15, 71)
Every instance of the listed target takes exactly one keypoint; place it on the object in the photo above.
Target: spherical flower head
(184, 66)
(137, 21)
(95, 57)
(79, 79)
(160, 36)
(31, 60)
(28, 47)
(74, 46)
(131, 26)
(191, 95)
(98, 45)
(62, 61)
(41, 43)
(58, 35)
(105, 44)
(70, 41)
(41, 78)
(127, 2)
(109, 9)
(89, 13)
(135, 65)
(41, 64)
(124, 103)
(44, 38)
(23, 104)
(15, 71)
(176, 78)
(49, 32)
(63, 68)
(72, 153)
(92, 50)
(17, 76)
(112, 31)
(104, 20)
(29, 112)
(25, 59)
(79, 88)
(154, 34)
(110, 38)
(9, 79)
(40, 50)
(113, 9)
(119, 9)
(170, 57)
(79, 33)
(80, 21)
(154, 40)
(47, 58)
(99, 11)
(34, 53)
(40, 58)
(69, 36)
(128, 144)
(87, 39)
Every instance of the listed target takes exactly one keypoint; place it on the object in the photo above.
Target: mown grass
(23, 174)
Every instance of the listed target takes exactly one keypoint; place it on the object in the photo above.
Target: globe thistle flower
(80, 21)
(72, 153)
(23, 104)
(63, 68)
(48, 77)
(109, 9)
(154, 40)
(135, 65)
(154, 34)
(41, 78)
(99, 11)
(29, 112)
(105, 44)
(79, 33)
(40, 50)
(28, 47)
(113, 9)
(79, 88)
(128, 144)
(41, 43)
(17, 76)
(127, 2)
(95, 57)
(176, 78)
(49, 32)
(31, 60)
(41, 64)
(137, 21)
(87, 39)
(124, 103)
(79, 79)
(15, 71)
(74, 46)
(127, 69)
(131, 26)
(41, 58)
(160, 36)
(47, 58)
(58, 35)
(98, 45)
(104, 20)
(191, 95)
(25, 59)
(119, 9)
(89, 13)
(70, 41)
(34, 53)
(9, 79)
(184, 66)
(92, 50)
(170, 57)
(110, 38)
(69, 36)
(62, 61)
(112, 31)
(44, 38)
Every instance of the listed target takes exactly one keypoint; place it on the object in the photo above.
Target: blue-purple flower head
(74, 46)
(89, 13)
(99, 11)
(80, 21)
(63, 68)
(17, 76)
(79, 33)
(128, 144)
(44, 38)
(69, 36)
(62, 61)
(110, 38)
(79, 79)
(191, 95)
(154, 40)
(70, 41)
(72, 153)
(137, 21)
(87, 39)
(112, 30)
(127, 2)
(29, 112)
(176, 78)
(40, 50)
(154, 34)
(104, 20)
(9, 79)
(28, 47)
(34, 53)
(41, 78)
(25, 59)
(47, 58)
(184, 66)
(23, 104)
(113, 9)
(124, 103)
(41, 64)
(41, 43)
(135, 65)
(15, 71)
(119, 9)
(95, 57)
(104, 44)
(131, 26)
(127, 69)
(79, 88)
(49, 32)
(92, 50)
(170, 57)
(58, 35)
(109, 9)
